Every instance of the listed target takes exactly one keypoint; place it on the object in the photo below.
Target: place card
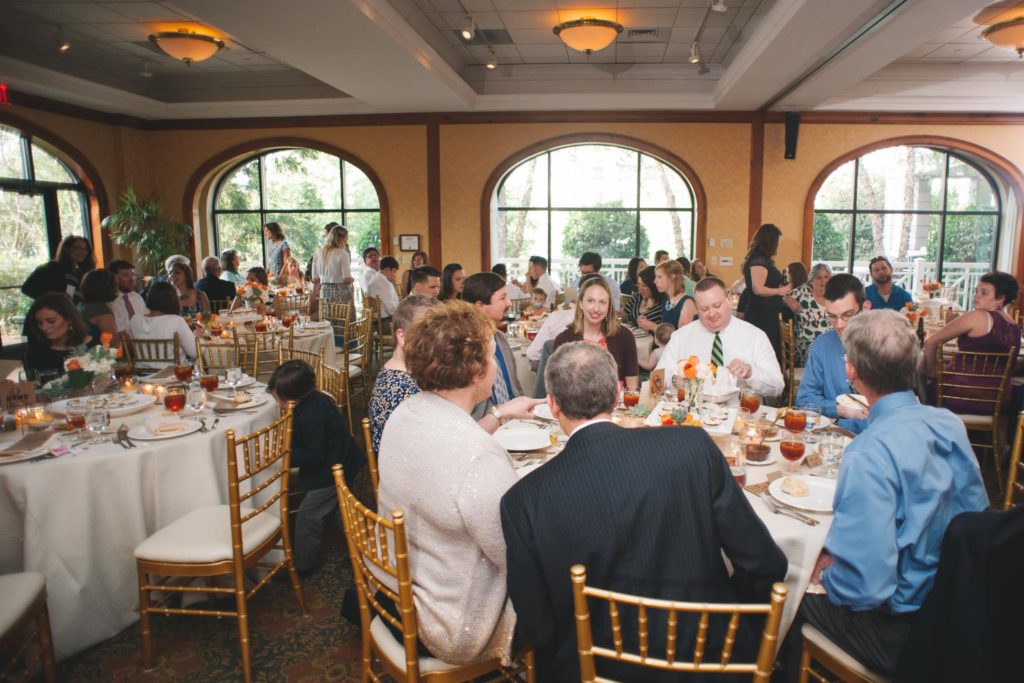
(813, 460)
(656, 385)
(762, 488)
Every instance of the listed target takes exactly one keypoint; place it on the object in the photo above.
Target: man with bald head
(211, 284)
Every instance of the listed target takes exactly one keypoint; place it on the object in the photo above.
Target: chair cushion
(798, 375)
(393, 650)
(204, 535)
(354, 371)
(18, 591)
(976, 421)
(821, 640)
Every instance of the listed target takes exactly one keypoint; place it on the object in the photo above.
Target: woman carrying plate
(448, 474)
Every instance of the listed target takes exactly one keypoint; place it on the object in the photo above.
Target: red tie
(128, 306)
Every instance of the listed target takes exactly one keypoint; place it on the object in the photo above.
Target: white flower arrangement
(98, 359)
(253, 293)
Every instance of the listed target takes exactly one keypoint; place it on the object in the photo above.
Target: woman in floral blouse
(808, 305)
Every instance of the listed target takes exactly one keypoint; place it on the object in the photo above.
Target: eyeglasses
(845, 317)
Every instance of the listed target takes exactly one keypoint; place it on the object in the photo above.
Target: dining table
(76, 518)
(801, 542)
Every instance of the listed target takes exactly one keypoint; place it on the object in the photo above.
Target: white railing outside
(959, 278)
(564, 271)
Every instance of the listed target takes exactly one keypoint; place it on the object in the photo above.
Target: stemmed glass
(233, 377)
(831, 450)
(812, 417)
(196, 399)
(792, 449)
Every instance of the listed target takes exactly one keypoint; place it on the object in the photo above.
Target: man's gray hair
(818, 269)
(411, 308)
(883, 349)
(583, 379)
(175, 258)
(210, 265)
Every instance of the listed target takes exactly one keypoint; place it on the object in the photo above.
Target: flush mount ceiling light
(1007, 34)
(186, 45)
(719, 6)
(468, 28)
(588, 34)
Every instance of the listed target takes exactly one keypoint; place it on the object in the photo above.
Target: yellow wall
(718, 154)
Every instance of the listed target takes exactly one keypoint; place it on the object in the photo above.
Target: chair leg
(144, 626)
(286, 541)
(805, 663)
(46, 646)
(243, 629)
(996, 454)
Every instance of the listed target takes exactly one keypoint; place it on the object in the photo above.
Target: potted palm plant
(140, 225)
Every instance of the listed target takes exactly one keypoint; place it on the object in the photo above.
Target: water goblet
(792, 449)
(233, 377)
(831, 450)
(196, 398)
(97, 420)
(812, 418)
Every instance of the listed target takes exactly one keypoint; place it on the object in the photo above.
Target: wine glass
(831, 450)
(792, 449)
(233, 377)
(97, 420)
(196, 398)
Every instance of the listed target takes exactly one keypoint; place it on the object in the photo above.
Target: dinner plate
(515, 344)
(141, 433)
(851, 401)
(543, 411)
(523, 439)
(221, 400)
(820, 492)
(117, 404)
(27, 455)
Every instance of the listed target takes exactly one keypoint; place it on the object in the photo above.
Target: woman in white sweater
(332, 270)
(448, 475)
(164, 320)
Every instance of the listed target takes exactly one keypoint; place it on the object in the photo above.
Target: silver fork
(123, 431)
(203, 427)
(788, 512)
(118, 438)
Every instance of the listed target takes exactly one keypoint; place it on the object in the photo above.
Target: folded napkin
(165, 374)
(30, 442)
(164, 426)
(722, 383)
(317, 325)
(225, 400)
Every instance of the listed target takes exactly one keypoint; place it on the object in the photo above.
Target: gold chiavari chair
(218, 305)
(226, 540)
(788, 353)
(298, 303)
(356, 353)
(981, 381)
(1015, 474)
(378, 546)
(334, 383)
(259, 350)
(383, 338)
(338, 316)
(674, 659)
(314, 358)
(819, 651)
(151, 351)
(217, 354)
(559, 298)
(26, 641)
(371, 456)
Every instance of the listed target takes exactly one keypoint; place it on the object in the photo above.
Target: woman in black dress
(55, 329)
(64, 273)
(765, 283)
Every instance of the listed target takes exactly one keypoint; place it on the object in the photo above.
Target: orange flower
(73, 364)
(117, 352)
(909, 305)
(239, 291)
(106, 338)
(667, 421)
(912, 317)
(923, 313)
(690, 370)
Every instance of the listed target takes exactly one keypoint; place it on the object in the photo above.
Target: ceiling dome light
(588, 34)
(1007, 34)
(63, 44)
(188, 46)
(719, 6)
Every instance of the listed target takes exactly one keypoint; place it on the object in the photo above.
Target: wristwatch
(497, 415)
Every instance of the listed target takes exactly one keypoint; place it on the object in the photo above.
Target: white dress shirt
(553, 326)
(740, 340)
(364, 279)
(165, 327)
(382, 288)
(120, 309)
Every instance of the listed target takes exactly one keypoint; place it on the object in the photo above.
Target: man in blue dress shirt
(882, 293)
(825, 373)
(900, 483)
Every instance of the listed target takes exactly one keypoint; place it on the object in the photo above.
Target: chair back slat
(787, 351)
(142, 351)
(975, 377)
(1015, 475)
(761, 669)
(218, 305)
(315, 359)
(217, 354)
(625, 301)
(298, 303)
(260, 350)
(337, 314)
(371, 457)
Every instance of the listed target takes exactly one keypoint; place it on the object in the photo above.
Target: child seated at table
(538, 302)
(319, 440)
(662, 333)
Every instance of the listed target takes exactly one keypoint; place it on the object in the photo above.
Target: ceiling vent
(644, 35)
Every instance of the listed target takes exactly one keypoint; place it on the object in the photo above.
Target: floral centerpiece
(913, 311)
(254, 294)
(931, 288)
(89, 366)
(695, 373)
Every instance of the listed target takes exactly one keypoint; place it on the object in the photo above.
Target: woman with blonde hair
(332, 269)
(595, 323)
(670, 280)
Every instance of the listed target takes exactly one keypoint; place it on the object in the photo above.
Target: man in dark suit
(648, 511)
(211, 284)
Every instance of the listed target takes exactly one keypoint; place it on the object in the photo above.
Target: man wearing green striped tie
(726, 341)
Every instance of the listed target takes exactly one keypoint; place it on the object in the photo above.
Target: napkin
(166, 373)
(165, 426)
(30, 442)
(317, 325)
(723, 383)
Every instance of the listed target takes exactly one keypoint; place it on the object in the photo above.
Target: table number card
(16, 394)
(656, 386)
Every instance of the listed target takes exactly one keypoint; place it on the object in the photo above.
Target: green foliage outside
(612, 233)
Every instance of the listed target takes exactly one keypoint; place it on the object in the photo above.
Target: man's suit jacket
(649, 512)
(501, 342)
(216, 289)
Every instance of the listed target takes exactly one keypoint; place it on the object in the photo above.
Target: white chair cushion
(393, 650)
(204, 535)
(976, 421)
(821, 640)
(354, 371)
(798, 375)
(18, 591)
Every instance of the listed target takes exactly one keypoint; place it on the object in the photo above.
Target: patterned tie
(716, 351)
(500, 393)
(128, 305)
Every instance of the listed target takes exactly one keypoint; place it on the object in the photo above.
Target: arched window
(614, 200)
(41, 201)
(934, 212)
(303, 190)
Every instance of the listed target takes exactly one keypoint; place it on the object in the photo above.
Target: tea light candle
(128, 386)
(38, 418)
(160, 391)
(21, 418)
(225, 335)
(147, 389)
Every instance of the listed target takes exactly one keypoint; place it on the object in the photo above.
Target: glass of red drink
(792, 449)
(75, 418)
(122, 370)
(260, 326)
(739, 473)
(531, 334)
(795, 420)
(174, 399)
(209, 382)
(631, 398)
(182, 372)
(750, 401)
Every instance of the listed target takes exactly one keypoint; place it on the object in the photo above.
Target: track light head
(694, 57)
(492, 61)
(468, 28)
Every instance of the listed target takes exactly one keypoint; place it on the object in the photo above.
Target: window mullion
(853, 222)
(263, 204)
(940, 254)
(636, 231)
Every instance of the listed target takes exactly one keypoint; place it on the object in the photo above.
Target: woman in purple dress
(985, 329)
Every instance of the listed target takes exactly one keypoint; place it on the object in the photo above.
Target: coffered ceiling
(312, 57)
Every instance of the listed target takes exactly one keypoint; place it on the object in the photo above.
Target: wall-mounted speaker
(792, 130)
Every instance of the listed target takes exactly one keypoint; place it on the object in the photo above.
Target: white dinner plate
(140, 432)
(523, 439)
(820, 492)
(543, 411)
(224, 403)
(117, 404)
(767, 461)
(851, 401)
(27, 455)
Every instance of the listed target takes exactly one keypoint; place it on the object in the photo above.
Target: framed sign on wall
(409, 242)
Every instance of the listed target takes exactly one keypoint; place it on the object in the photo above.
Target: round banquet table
(800, 543)
(77, 519)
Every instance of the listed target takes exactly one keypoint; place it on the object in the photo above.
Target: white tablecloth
(77, 519)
